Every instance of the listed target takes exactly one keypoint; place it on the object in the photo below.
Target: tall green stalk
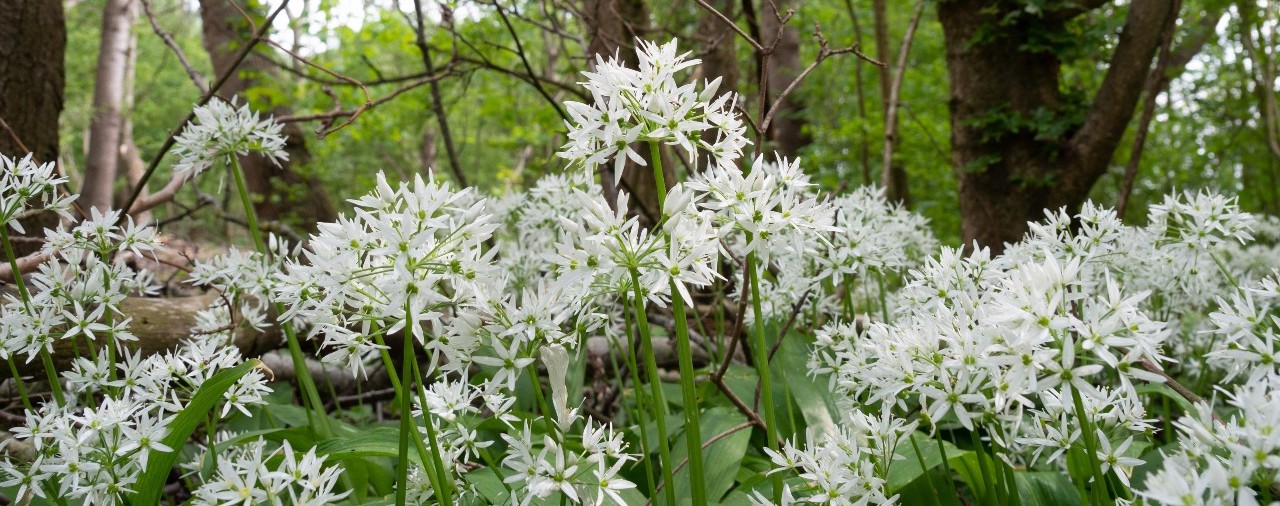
(760, 355)
(310, 394)
(692, 431)
(45, 358)
(656, 397)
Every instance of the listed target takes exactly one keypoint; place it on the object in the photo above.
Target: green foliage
(151, 484)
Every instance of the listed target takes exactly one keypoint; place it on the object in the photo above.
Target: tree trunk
(787, 128)
(719, 51)
(896, 190)
(33, 38)
(612, 27)
(225, 30)
(130, 162)
(1010, 162)
(108, 91)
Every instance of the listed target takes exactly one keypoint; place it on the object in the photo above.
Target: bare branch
(165, 36)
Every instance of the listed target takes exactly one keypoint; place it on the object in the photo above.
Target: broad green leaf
(906, 469)
(721, 459)
(375, 442)
(1042, 488)
(811, 395)
(152, 480)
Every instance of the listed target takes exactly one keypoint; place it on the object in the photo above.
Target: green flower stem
(445, 491)
(760, 355)
(657, 399)
(1099, 488)
(640, 411)
(310, 395)
(26, 301)
(407, 429)
(423, 454)
(692, 431)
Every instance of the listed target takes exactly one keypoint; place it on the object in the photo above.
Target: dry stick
(795, 310)
(737, 327)
(1182, 390)
(208, 95)
(437, 103)
(751, 40)
(895, 90)
(1152, 89)
(165, 36)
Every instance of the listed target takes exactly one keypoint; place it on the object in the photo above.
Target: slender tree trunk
(108, 92)
(33, 38)
(895, 184)
(1008, 176)
(225, 30)
(787, 130)
(130, 162)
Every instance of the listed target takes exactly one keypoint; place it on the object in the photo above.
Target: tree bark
(893, 174)
(787, 128)
(102, 161)
(719, 51)
(612, 28)
(33, 38)
(225, 31)
(1010, 163)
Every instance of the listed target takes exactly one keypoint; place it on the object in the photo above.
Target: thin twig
(208, 95)
(167, 38)
(437, 103)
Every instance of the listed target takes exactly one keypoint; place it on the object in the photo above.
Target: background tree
(282, 189)
(33, 37)
(1021, 143)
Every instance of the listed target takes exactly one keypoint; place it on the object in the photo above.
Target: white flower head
(220, 131)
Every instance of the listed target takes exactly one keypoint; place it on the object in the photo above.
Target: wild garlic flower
(874, 235)
(27, 188)
(648, 104)
(252, 474)
(1223, 462)
(220, 131)
(79, 297)
(245, 279)
(759, 208)
(847, 466)
(407, 256)
(586, 474)
(1202, 219)
(610, 245)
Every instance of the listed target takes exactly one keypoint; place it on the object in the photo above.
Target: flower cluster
(220, 131)
(648, 104)
(249, 474)
(27, 188)
(1224, 462)
(847, 466)
(407, 256)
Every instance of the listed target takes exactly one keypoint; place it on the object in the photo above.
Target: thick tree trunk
(787, 128)
(1008, 175)
(33, 38)
(225, 30)
(612, 28)
(108, 93)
